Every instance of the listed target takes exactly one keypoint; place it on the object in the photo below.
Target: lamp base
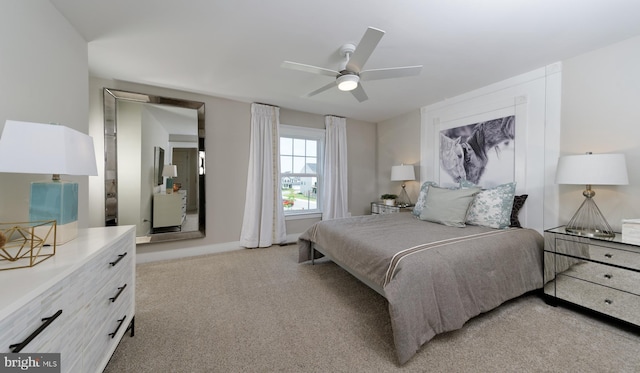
(588, 221)
(403, 200)
(56, 200)
(169, 186)
(64, 233)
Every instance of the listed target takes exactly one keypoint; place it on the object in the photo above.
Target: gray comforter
(434, 277)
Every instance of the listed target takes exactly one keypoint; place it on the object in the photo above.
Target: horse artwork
(452, 157)
(478, 152)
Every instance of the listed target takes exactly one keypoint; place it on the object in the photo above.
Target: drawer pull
(118, 328)
(607, 255)
(608, 276)
(47, 320)
(117, 260)
(120, 289)
(608, 301)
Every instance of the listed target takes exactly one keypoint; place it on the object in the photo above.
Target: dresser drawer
(108, 264)
(103, 340)
(61, 305)
(613, 277)
(616, 303)
(610, 255)
(106, 303)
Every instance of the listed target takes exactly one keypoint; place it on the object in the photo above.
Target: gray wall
(227, 126)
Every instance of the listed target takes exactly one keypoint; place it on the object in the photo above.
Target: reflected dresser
(598, 274)
(78, 303)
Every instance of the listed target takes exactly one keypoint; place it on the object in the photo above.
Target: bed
(435, 277)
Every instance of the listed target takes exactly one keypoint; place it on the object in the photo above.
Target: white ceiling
(234, 48)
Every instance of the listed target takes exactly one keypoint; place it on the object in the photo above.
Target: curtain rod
(262, 103)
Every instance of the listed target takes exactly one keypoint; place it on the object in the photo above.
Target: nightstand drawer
(617, 278)
(616, 303)
(628, 259)
(610, 255)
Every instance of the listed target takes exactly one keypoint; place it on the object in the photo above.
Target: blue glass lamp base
(56, 200)
(169, 187)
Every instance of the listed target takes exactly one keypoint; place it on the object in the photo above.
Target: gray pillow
(448, 206)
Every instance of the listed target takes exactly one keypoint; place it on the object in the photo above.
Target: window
(301, 156)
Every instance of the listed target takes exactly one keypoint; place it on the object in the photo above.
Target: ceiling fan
(351, 74)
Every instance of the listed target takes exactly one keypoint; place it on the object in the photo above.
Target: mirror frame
(111, 97)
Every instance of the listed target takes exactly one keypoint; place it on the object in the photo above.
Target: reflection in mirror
(144, 136)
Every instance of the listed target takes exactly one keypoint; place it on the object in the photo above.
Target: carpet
(260, 311)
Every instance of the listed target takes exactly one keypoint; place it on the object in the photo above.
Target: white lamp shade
(592, 169)
(402, 173)
(170, 170)
(37, 148)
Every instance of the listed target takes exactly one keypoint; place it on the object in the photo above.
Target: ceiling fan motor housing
(347, 80)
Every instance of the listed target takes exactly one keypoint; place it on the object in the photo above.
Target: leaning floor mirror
(154, 165)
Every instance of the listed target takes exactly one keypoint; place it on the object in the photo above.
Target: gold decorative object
(26, 244)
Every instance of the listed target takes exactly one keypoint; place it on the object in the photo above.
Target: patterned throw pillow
(492, 207)
(422, 197)
(518, 202)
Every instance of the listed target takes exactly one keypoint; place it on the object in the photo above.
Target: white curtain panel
(263, 223)
(335, 202)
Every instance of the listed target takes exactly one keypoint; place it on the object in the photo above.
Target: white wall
(43, 78)
(601, 114)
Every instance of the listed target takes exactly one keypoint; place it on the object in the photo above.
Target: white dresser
(169, 210)
(87, 293)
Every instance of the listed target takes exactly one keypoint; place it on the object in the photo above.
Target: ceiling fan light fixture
(348, 82)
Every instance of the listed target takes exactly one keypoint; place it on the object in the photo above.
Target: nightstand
(598, 274)
(381, 208)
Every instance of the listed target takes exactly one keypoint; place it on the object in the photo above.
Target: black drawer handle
(47, 320)
(608, 276)
(608, 301)
(607, 255)
(118, 328)
(117, 260)
(120, 289)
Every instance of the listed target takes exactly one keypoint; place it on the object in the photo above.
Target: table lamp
(169, 171)
(403, 173)
(36, 148)
(591, 169)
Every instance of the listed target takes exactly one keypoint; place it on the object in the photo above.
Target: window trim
(307, 133)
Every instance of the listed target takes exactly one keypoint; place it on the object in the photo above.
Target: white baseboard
(154, 256)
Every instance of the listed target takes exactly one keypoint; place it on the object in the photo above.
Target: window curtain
(334, 189)
(263, 223)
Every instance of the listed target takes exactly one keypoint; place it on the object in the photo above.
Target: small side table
(381, 208)
(597, 274)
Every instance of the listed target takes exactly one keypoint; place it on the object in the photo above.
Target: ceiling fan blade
(364, 49)
(359, 93)
(309, 68)
(322, 89)
(392, 72)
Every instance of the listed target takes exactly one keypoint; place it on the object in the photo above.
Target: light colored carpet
(261, 311)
